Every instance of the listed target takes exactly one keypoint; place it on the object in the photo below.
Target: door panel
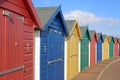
(56, 55)
(51, 55)
(111, 50)
(99, 51)
(14, 44)
(72, 70)
(84, 52)
(2, 40)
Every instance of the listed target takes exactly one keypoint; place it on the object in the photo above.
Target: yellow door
(72, 55)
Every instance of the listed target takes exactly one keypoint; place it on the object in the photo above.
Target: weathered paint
(116, 49)
(105, 46)
(72, 49)
(99, 47)
(93, 47)
(16, 46)
(111, 47)
(84, 49)
(52, 43)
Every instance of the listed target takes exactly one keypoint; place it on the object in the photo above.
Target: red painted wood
(28, 64)
(33, 12)
(16, 44)
(28, 28)
(116, 50)
(30, 77)
(23, 7)
(93, 50)
(14, 54)
(18, 3)
(28, 36)
(7, 5)
(28, 71)
(28, 51)
(2, 37)
(28, 41)
(28, 22)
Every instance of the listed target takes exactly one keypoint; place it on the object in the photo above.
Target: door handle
(50, 62)
(12, 70)
(73, 55)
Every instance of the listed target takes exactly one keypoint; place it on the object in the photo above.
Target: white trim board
(37, 54)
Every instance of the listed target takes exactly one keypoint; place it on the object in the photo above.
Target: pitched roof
(70, 24)
(119, 40)
(91, 33)
(45, 13)
(106, 36)
(99, 35)
(115, 38)
(32, 12)
(111, 38)
(103, 37)
(83, 29)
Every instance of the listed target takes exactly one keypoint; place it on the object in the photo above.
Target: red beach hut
(116, 48)
(92, 47)
(17, 21)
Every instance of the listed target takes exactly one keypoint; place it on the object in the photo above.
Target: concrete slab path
(105, 70)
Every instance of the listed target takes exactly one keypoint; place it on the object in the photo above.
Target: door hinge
(7, 13)
(20, 18)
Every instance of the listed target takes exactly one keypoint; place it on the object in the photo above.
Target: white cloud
(87, 18)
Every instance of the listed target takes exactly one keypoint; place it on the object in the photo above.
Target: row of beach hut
(63, 48)
(39, 44)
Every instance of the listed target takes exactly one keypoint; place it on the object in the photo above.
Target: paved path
(105, 70)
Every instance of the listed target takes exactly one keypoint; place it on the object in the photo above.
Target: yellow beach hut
(72, 49)
(105, 47)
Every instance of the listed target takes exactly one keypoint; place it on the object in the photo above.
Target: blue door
(55, 55)
(99, 51)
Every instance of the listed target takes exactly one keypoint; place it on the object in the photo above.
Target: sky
(100, 15)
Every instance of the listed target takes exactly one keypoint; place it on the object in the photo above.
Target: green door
(111, 48)
(84, 52)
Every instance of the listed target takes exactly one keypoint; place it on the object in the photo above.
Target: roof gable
(32, 12)
(22, 7)
(84, 30)
(93, 34)
(47, 15)
(116, 39)
(99, 36)
(71, 25)
(105, 37)
(111, 38)
(119, 40)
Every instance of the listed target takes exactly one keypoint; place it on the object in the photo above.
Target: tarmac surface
(105, 70)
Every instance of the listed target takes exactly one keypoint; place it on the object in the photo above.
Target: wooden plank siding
(17, 33)
(13, 6)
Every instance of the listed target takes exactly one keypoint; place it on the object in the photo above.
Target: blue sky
(100, 15)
